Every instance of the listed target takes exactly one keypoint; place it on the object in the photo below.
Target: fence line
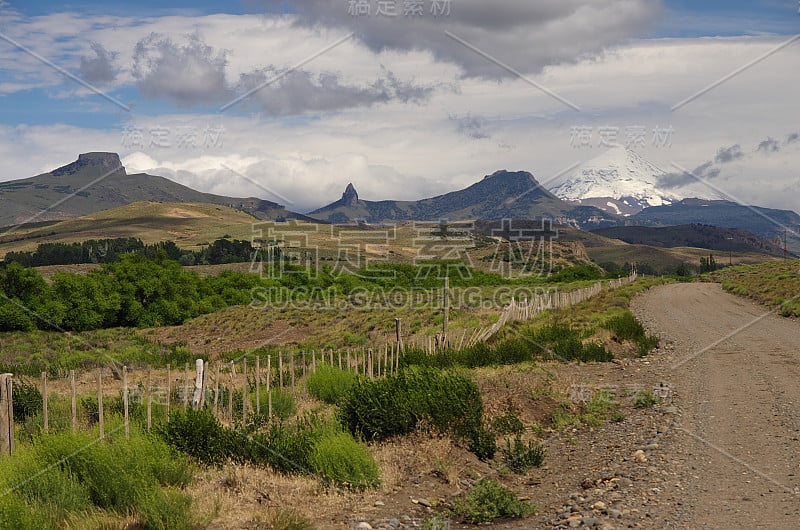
(529, 309)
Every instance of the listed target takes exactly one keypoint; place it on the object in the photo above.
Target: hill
(765, 222)
(190, 225)
(693, 235)
(501, 195)
(98, 181)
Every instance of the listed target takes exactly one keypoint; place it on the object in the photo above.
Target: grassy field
(775, 284)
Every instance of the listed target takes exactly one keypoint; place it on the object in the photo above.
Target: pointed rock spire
(350, 195)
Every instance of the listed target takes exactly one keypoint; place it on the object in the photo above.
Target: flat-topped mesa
(105, 162)
(350, 195)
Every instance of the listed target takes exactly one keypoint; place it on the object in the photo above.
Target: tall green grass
(59, 478)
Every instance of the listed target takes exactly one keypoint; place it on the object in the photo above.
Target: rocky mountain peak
(350, 195)
(104, 162)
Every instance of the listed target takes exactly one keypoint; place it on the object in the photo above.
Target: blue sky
(401, 109)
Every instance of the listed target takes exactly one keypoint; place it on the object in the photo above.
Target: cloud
(684, 178)
(472, 126)
(525, 34)
(98, 69)
(770, 145)
(188, 75)
(297, 91)
(728, 154)
(793, 137)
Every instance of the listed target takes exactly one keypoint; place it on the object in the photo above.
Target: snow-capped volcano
(617, 181)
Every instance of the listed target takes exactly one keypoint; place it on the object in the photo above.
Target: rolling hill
(190, 225)
(693, 235)
(768, 223)
(98, 181)
(501, 195)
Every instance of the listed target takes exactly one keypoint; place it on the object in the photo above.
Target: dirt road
(735, 369)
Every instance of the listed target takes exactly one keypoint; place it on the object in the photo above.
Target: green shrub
(487, 501)
(16, 514)
(200, 435)
(63, 476)
(330, 384)
(626, 327)
(644, 399)
(508, 423)
(520, 457)
(286, 447)
(394, 405)
(339, 459)
(166, 509)
(26, 398)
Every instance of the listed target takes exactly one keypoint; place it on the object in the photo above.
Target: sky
(291, 101)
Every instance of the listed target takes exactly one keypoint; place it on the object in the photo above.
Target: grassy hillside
(693, 235)
(775, 284)
(188, 224)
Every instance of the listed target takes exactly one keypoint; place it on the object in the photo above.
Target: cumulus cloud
(770, 145)
(728, 154)
(472, 126)
(189, 74)
(793, 137)
(100, 68)
(525, 34)
(297, 91)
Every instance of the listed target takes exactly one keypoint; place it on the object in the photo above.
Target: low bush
(519, 457)
(284, 406)
(339, 459)
(488, 500)
(62, 476)
(626, 327)
(395, 405)
(508, 423)
(330, 384)
(200, 435)
(26, 398)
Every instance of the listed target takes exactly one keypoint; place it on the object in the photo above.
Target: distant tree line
(223, 250)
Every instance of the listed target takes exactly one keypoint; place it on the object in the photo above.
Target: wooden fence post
(185, 386)
(73, 400)
(149, 392)
(197, 396)
(244, 392)
(280, 369)
(125, 401)
(398, 324)
(258, 385)
(269, 392)
(230, 395)
(216, 387)
(6, 414)
(169, 391)
(100, 421)
(45, 411)
(291, 368)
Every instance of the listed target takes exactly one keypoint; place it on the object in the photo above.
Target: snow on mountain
(618, 181)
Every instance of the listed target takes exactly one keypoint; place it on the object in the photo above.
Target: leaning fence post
(45, 412)
(6, 414)
(186, 385)
(244, 392)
